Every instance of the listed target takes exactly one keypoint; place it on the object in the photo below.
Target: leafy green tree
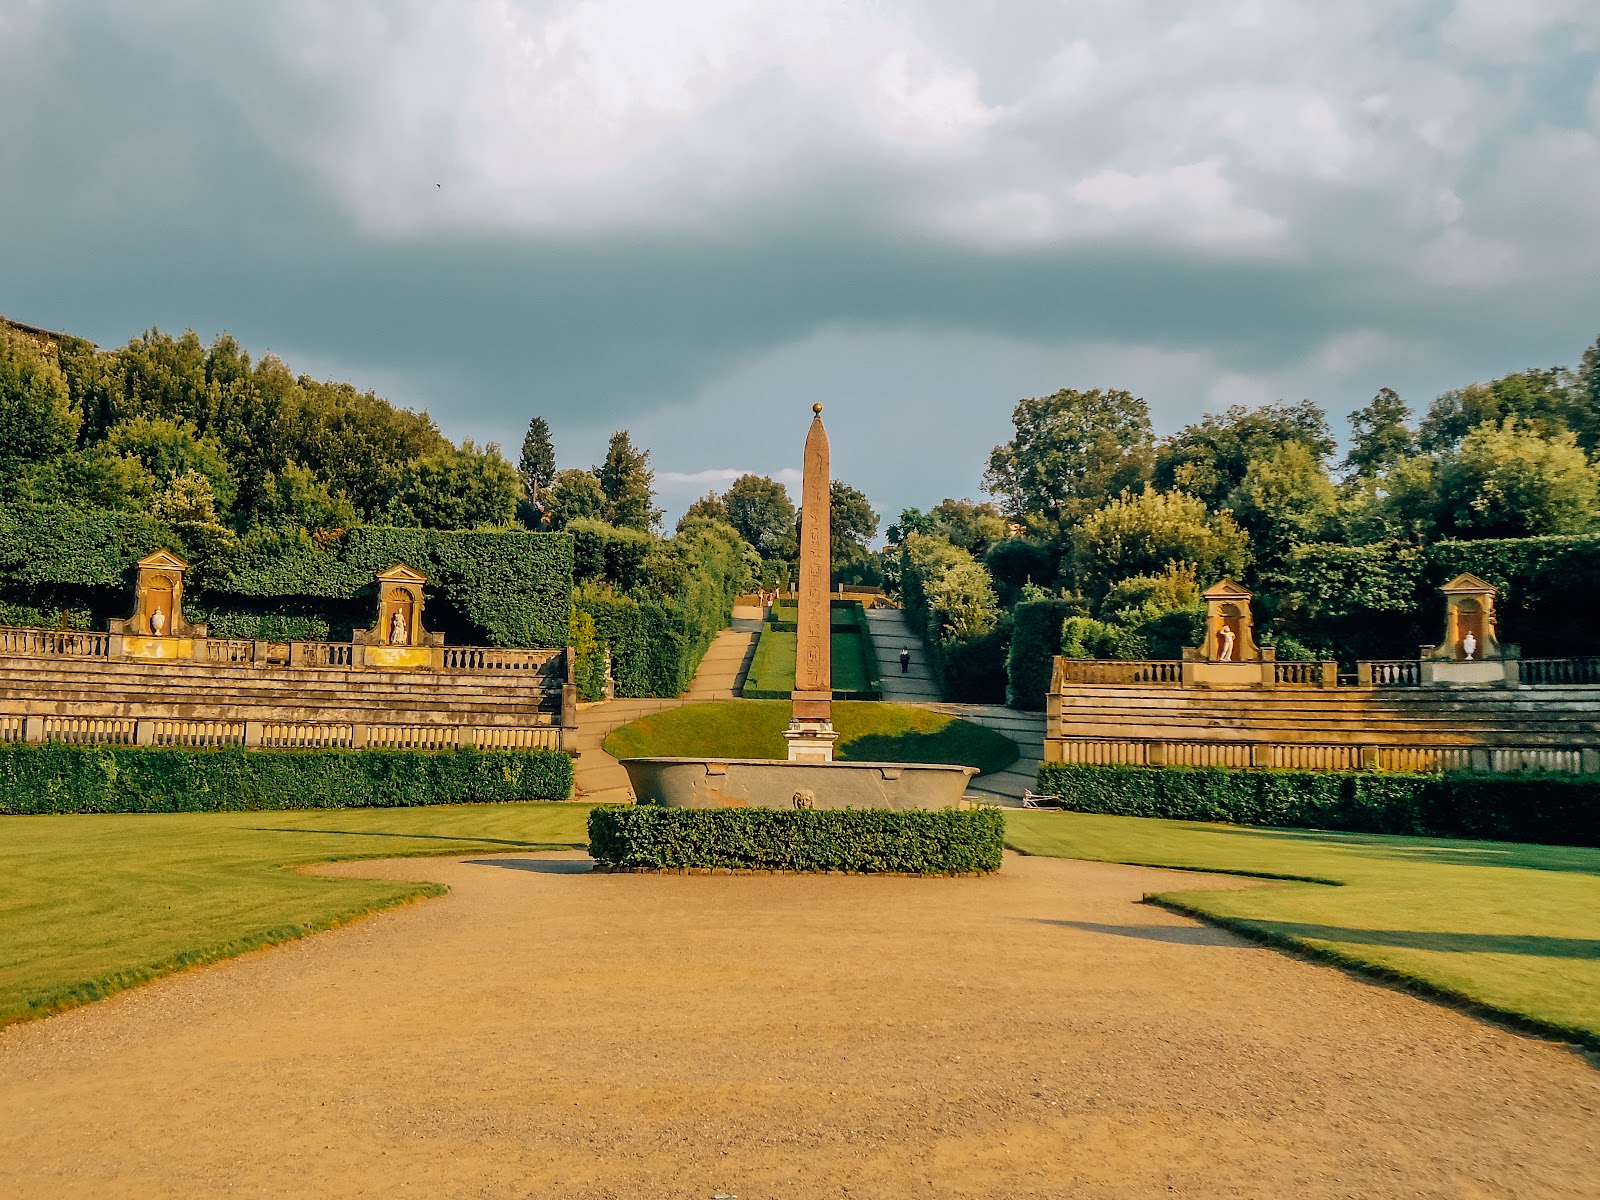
(629, 484)
(958, 593)
(297, 499)
(1015, 564)
(537, 467)
(710, 507)
(1285, 499)
(457, 489)
(974, 526)
(1209, 458)
(1401, 504)
(852, 524)
(1140, 533)
(1542, 400)
(169, 448)
(1507, 480)
(189, 505)
(37, 422)
(910, 520)
(1071, 452)
(574, 495)
(1380, 435)
(760, 509)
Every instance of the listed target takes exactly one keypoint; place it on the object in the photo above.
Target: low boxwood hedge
(868, 841)
(1552, 809)
(60, 778)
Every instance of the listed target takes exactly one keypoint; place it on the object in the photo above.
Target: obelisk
(810, 733)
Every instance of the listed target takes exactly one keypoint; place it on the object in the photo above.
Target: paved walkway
(600, 779)
(890, 635)
(541, 1032)
(1025, 729)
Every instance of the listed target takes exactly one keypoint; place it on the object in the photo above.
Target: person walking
(905, 661)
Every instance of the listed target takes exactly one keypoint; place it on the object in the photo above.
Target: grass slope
(869, 731)
(1507, 928)
(91, 904)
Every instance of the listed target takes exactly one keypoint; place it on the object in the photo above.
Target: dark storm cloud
(1265, 228)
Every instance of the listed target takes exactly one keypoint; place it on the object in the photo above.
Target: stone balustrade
(279, 735)
(1314, 757)
(243, 652)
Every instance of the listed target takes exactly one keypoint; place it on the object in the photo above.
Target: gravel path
(547, 1032)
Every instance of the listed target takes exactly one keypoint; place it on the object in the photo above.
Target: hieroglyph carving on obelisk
(811, 734)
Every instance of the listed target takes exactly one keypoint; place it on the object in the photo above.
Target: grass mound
(868, 732)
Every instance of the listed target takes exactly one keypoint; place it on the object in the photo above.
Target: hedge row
(503, 588)
(1556, 810)
(60, 778)
(1035, 641)
(867, 841)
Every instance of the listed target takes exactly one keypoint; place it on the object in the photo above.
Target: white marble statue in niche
(397, 629)
(1226, 635)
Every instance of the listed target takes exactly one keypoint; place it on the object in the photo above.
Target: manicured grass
(1510, 928)
(852, 660)
(869, 731)
(91, 904)
(772, 668)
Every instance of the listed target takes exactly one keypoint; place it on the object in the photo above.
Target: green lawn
(869, 731)
(1510, 928)
(91, 904)
(772, 668)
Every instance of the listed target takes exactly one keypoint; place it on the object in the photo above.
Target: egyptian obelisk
(810, 734)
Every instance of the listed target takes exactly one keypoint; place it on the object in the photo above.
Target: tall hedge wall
(503, 588)
(1382, 600)
(59, 778)
(1035, 641)
(1557, 810)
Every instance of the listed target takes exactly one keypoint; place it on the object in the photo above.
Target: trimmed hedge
(59, 778)
(867, 841)
(1035, 641)
(501, 587)
(1549, 809)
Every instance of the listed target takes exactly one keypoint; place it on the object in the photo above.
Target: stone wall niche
(1228, 655)
(157, 627)
(398, 639)
(1471, 654)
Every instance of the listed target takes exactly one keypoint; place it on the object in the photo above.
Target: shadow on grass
(972, 746)
(1179, 935)
(1446, 852)
(1455, 943)
(540, 866)
(427, 837)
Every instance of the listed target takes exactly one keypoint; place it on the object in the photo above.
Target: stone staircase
(722, 672)
(184, 691)
(890, 635)
(1025, 729)
(1531, 716)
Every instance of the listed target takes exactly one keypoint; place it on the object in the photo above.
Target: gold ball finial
(817, 408)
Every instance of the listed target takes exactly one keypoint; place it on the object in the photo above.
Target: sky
(694, 219)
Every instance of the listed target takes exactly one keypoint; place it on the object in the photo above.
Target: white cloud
(716, 479)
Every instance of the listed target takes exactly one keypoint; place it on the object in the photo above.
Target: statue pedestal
(810, 740)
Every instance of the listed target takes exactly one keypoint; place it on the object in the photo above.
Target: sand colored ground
(545, 1032)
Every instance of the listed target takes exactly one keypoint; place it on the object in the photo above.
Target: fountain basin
(773, 783)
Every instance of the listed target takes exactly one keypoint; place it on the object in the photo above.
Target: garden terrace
(1309, 727)
(72, 687)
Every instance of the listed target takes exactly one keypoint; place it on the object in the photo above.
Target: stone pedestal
(810, 740)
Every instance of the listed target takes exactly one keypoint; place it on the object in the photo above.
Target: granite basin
(774, 783)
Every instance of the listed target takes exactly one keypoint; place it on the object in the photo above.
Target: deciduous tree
(1071, 452)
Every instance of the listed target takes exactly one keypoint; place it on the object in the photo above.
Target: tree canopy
(1071, 452)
